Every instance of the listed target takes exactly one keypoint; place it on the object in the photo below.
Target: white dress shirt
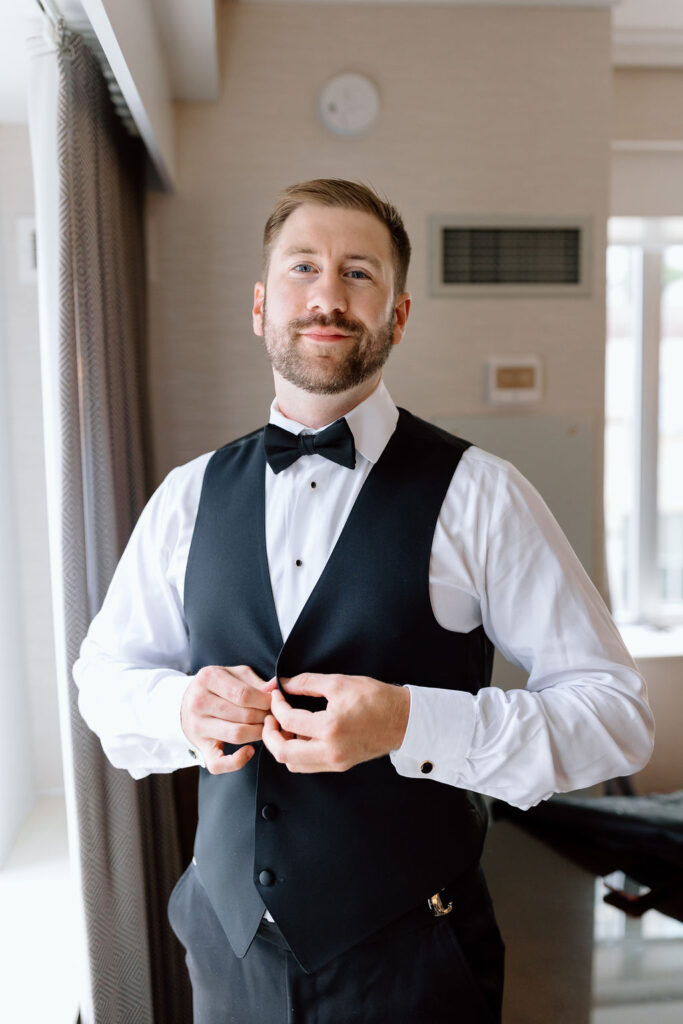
(498, 558)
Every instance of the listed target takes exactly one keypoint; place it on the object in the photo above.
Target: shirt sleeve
(583, 716)
(133, 666)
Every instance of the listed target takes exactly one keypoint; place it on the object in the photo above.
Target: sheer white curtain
(88, 176)
(42, 99)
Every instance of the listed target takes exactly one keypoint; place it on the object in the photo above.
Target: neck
(316, 411)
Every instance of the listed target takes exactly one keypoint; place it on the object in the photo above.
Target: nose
(327, 294)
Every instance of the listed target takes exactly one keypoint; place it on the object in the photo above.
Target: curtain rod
(50, 11)
(58, 24)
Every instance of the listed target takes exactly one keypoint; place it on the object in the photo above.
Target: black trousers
(419, 970)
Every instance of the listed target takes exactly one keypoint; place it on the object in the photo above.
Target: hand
(364, 718)
(225, 705)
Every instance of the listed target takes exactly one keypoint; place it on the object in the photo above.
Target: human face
(327, 311)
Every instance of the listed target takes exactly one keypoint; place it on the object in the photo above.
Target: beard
(364, 352)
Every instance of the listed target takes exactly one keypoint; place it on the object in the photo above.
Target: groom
(333, 585)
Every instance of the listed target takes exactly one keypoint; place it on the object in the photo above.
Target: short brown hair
(350, 195)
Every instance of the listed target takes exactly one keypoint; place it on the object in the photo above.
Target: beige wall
(21, 353)
(647, 130)
(647, 104)
(647, 184)
(665, 686)
(483, 110)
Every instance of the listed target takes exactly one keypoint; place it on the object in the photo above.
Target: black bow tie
(334, 442)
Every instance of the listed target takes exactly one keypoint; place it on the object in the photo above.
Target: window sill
(648, 642)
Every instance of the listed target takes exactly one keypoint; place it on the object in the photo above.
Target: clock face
(349, 104)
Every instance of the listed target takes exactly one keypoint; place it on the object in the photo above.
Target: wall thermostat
(514, 380)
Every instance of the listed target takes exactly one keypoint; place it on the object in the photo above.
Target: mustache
(336, 320)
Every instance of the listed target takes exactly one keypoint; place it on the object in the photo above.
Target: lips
(325, 336)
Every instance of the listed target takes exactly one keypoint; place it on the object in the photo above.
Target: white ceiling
(646, 33)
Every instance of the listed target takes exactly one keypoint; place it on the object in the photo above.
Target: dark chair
(639, 835)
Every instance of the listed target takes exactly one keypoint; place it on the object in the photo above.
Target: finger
(233, 713)
(219, 763)
(208, 705)
(312, 769)
(314, 684)
(273, 739)
(271, 724)
(238, 690)
(273, 736)
(295, 753)
(270, 685)
(246, 674)
(200, 704)
(298, 720)
(218, 730)
(229, 684)
(317, 764)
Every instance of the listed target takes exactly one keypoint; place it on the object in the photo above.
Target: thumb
(314, 684)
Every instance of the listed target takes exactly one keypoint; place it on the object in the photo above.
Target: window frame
(650, 237)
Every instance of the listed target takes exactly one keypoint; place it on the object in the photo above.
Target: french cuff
(439, 735)
(187, 753)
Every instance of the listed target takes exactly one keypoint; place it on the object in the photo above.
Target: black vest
(333, 856)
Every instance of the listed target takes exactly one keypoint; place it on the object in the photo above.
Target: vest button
(426, 767)
(266, 877)
(269, 811)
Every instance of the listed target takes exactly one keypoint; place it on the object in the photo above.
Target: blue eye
(358, 275)
(304, 268)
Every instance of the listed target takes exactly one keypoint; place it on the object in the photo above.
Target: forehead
(332, 230)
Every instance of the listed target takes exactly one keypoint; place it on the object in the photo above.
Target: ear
(257, 309)
(401, 312)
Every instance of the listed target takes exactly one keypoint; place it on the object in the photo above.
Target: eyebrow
(303, 250)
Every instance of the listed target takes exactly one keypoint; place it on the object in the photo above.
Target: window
(644, 420)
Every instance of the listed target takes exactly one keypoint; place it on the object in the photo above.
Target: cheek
(283, 304)
(376, 315)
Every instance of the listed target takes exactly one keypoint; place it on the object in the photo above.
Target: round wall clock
(349, 104)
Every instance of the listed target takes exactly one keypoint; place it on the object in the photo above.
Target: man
(352, 567)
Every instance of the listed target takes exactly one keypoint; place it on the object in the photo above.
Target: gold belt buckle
(436, 906)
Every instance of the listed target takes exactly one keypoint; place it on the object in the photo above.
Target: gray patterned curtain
(123, 834)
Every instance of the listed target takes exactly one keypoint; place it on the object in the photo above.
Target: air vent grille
(504, 255)
(511, 255)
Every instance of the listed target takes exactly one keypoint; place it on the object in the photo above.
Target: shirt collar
(372, 422)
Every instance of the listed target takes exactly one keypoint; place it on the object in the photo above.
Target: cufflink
(426, 767)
